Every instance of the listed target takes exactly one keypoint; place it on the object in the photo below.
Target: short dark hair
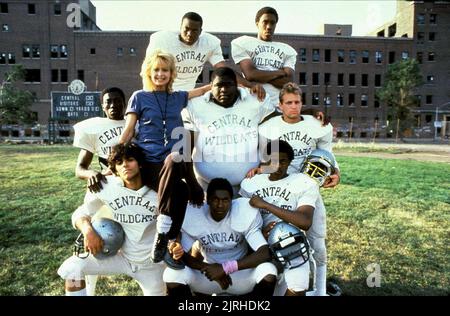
(194, 17)
(266, 10)
(283, 147)
(224, 72)
(219, 184)
(122, 151)
(112, 90)
(289, 87)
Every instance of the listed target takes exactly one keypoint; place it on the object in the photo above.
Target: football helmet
(112, 234)
(319, 165)
(289, 245)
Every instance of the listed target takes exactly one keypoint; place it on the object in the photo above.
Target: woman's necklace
(164, 117)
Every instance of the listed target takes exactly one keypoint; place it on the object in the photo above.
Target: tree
(15, 104)
(398, 89)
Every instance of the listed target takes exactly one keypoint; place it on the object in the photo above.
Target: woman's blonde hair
(153, 60)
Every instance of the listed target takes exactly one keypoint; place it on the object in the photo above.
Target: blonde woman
(158, 108)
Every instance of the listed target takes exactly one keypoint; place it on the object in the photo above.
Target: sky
(295, 16)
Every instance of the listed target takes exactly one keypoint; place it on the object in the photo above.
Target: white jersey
(225, 240)
(227, 143)
(268, 56)
(135, 210)
(304, 137)
(97, 135)
(288, 193)
(189, 59)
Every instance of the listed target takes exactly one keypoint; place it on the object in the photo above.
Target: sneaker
(159, 248)
(172, 263)
(333, 289)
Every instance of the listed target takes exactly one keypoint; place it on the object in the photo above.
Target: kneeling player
(224, 228)
(284, 197)
(134, 206)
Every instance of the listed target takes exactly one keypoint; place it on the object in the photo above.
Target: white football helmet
(319, 165)
(288, 245)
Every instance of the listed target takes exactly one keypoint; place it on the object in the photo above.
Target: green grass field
(394, 213)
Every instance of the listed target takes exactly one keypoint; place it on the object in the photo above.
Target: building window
(421, 19)
(340, 79)
(26, 51)
(31, 8)
(420, 36)
(430, 79)
(92, 51)
(391, 57)
(405, 55)
(119, 51)
(340, 99)
(431, 56)
(302, 54)
(352, 57)
(351, 80)
(429, 99)
(364, 99)
(433, 18)
(432, 36)
(419, 57)
(392, 30)
(378, 57)
(2, 58)
(327, 100)
(132, 51)
(377, 80)
(303, 97)
(54, 51)
(64, 77)
(376, 103)
(3, 7)
(364, 80)
(226, 52)
(327, 78)
(5, 28)
(57, 8)
(418, 100)
(35, 51)
(302, 78)
(380, 33)
(428, 118)
(315, 78)
(341, 55)
(32, 75)
(365, 57)
(315, 98)
(351, 99)
(417, 119)
(327, 55)
(63, 51)
(315, 55)
(80, 75)
(11, 58)
(55, 75)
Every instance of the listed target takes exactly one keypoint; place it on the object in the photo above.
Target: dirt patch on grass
(433, 156)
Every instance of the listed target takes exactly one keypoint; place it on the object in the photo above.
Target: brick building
(338, 73)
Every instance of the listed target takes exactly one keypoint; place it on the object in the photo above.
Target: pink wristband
(230, 266)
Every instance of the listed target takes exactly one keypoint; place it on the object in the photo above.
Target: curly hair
(123, 151)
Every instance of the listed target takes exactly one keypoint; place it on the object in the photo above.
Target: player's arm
(92, 241)
(302, 217)
(262, 254)
(130, 124)
(196, 92)
(280, 82)
(82, 171)
(197, 195)
(262, 76)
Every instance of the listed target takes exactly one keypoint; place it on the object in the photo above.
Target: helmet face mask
(112, 234)
(319, 165)
(288, 245)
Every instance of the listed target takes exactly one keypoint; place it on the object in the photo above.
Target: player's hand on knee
(213, 271)
(94, 183)
(332, 181)
(258, 90)
(176, 250)
(93, 242)
(225, 282)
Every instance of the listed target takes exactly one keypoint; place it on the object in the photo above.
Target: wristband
(230, 266)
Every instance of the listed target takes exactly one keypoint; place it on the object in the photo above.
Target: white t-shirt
(97, 135)
(227, 143)
(304, 137)
(189, 59)
(288, 193)
(225, 240)
(136, 211)
(268, 56)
